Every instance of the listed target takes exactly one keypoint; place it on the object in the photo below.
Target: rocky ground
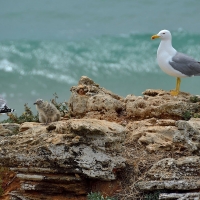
(132, 148)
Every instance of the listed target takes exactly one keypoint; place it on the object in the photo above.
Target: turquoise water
(46, 46)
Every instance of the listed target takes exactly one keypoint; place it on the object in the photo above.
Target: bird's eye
(163, 33)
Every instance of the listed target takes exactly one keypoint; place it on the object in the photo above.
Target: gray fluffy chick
(47, 111)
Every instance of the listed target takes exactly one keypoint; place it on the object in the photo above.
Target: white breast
(164, 56)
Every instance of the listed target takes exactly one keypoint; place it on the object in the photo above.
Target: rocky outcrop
(145, 139)
(188, 134)
(181, 174)
(8, 129)
(159, 104)
(89, 100)
(168, 173)
(154, 134)
(180, 196)
(63, 157)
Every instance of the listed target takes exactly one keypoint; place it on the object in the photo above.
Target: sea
(46, 46)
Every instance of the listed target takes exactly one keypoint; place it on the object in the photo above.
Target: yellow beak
(154, 37)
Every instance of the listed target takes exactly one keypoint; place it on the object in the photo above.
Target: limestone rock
(11, 126)
(159, 104)
(89, 100)
(4, 132)
(61, 159)
(154, 133)
(72, 157)
(27, 125)
(168, 173)
(182, 185)
(180, 196)
(188, 134)
(8, 128)
(79, 144)
(170, 169)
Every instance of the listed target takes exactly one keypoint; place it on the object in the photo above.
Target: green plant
(187, 115)
(152, 196)
(196, 115)
(62, 107)
(194, 99)
(28, 116)
(98, 196)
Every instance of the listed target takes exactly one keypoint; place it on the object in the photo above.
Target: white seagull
(4, 108)
(173, 62)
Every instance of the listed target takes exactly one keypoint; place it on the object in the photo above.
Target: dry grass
(139, 161)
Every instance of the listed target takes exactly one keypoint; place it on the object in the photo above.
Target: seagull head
(163, 35)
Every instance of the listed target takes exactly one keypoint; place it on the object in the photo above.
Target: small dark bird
(4, 108)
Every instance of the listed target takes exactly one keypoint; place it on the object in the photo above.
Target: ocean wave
(106, 55)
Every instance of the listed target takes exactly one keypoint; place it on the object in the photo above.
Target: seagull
(4, 108)
(173, 62)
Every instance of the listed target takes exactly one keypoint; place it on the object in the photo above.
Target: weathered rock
(11, 126)
(4, 132)
(154, 133)
(180, 196)
(62, 159)
(73, 157)
(171, 169)
(159, 104)
(89, 100)
(8, 128)
(188, 134)
(27, 125)
(171, 174)
(184, 184)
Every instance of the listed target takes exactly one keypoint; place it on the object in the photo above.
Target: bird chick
(47, 111)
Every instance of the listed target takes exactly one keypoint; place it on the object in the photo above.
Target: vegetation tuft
(187, 115)
(62, 107)
(28, 116)
(153, 195)
(194, 99)
(98, 196)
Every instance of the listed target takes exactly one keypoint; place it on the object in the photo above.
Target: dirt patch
(9, 182)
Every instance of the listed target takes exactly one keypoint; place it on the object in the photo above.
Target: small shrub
(62, 107)
(187, 115)
(194, 99)
(196, 115)
(98, 196)
(152, 196)
(27, 116)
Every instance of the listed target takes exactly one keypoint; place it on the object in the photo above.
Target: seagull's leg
(179, 84)
(176, 91)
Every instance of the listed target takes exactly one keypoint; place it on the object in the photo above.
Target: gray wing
(185, 64)
(2, 103)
